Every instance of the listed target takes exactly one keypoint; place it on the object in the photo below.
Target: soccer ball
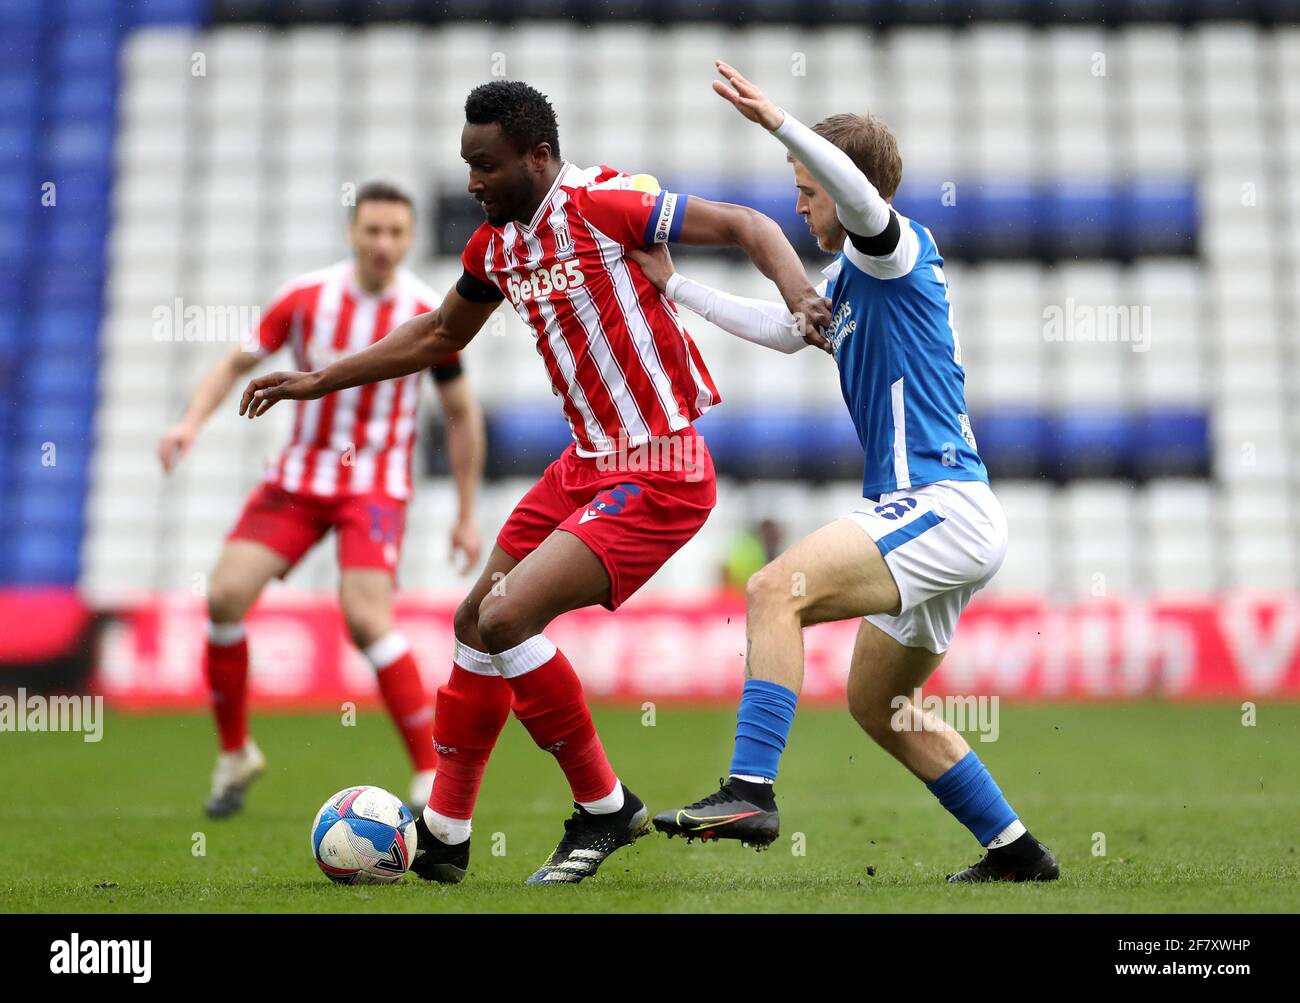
(363, 836)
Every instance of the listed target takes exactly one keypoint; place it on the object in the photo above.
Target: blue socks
(974, 798)
(762, 727)
(763, 723)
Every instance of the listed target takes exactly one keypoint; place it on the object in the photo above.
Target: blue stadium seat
(15, 234)
(58, 80)
(87, 48)
(80, 145)
(17, 145)
(20, 191)
(1173, 443)
(49, 507)
(10, 338)
(83, 97)
(66, 425)
(1013, 442)
(44, 558)
(68, 283)
(19, 96)
(25, 14)
(1006, 216)
(53, 380)
(142, 12)
(75, 235)
(82, 191)
(1080, 219)
(13, 290)
(760, 442)
(1159, 216)
(20, 47)
(1092, 442)
(525, 436)
(65, 472)
(64, 330)
(92, 13)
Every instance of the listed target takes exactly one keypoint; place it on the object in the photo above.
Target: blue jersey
(900, 365)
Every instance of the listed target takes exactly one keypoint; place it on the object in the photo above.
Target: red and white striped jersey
(617, 354)
(358, 440)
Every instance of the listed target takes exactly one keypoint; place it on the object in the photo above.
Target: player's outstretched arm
(722, 224)
(466, 448)
(408, 348)
(760, 322)
(858, 204)
(211, 391)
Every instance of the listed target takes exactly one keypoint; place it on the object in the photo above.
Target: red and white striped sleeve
(633, 217)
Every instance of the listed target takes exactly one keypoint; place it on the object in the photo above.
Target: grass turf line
(1199, 813)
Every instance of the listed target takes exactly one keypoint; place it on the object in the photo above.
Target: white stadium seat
(234, 144)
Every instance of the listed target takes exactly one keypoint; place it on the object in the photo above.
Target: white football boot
(233, 774)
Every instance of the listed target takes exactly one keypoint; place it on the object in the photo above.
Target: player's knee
(465, 623)
(770, 588)
(501, 625)
(228, 602)
(872, 716)
(365, 626)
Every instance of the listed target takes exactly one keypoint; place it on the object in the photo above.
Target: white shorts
(942, 542)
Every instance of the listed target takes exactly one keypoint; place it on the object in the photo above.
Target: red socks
(472, 710)
(549, 702)
(403, 692)
(227, 670)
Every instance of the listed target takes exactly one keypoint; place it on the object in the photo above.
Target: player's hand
(174, 444)
(465, 540)
(657, 264)
(748, 99)
(811, 312)
(815, 337)
(262, 392)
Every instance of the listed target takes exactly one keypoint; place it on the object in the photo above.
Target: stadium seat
(1050, 162)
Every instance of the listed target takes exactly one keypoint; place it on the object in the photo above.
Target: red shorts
(634, 510)
(368, 527)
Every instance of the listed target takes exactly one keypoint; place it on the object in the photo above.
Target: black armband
(882, 243)
(445, 372)
(476, 290)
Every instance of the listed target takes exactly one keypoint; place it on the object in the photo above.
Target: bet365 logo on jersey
(542, 282)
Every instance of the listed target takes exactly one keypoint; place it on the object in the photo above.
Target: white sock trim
(451, 831)
(473, 660)
(607, 805)
(225, 634)
(752, 779)
(522, 658)
(386, 650)
(1008, 835)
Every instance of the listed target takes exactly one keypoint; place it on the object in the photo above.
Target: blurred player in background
(346, 468)
(931, 533)
(597, 525)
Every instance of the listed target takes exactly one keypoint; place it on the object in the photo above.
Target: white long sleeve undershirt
(857, 203)
(761, 322)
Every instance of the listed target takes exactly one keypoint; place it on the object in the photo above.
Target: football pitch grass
(1198, 813)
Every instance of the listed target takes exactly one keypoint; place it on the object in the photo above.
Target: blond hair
(870, 145)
